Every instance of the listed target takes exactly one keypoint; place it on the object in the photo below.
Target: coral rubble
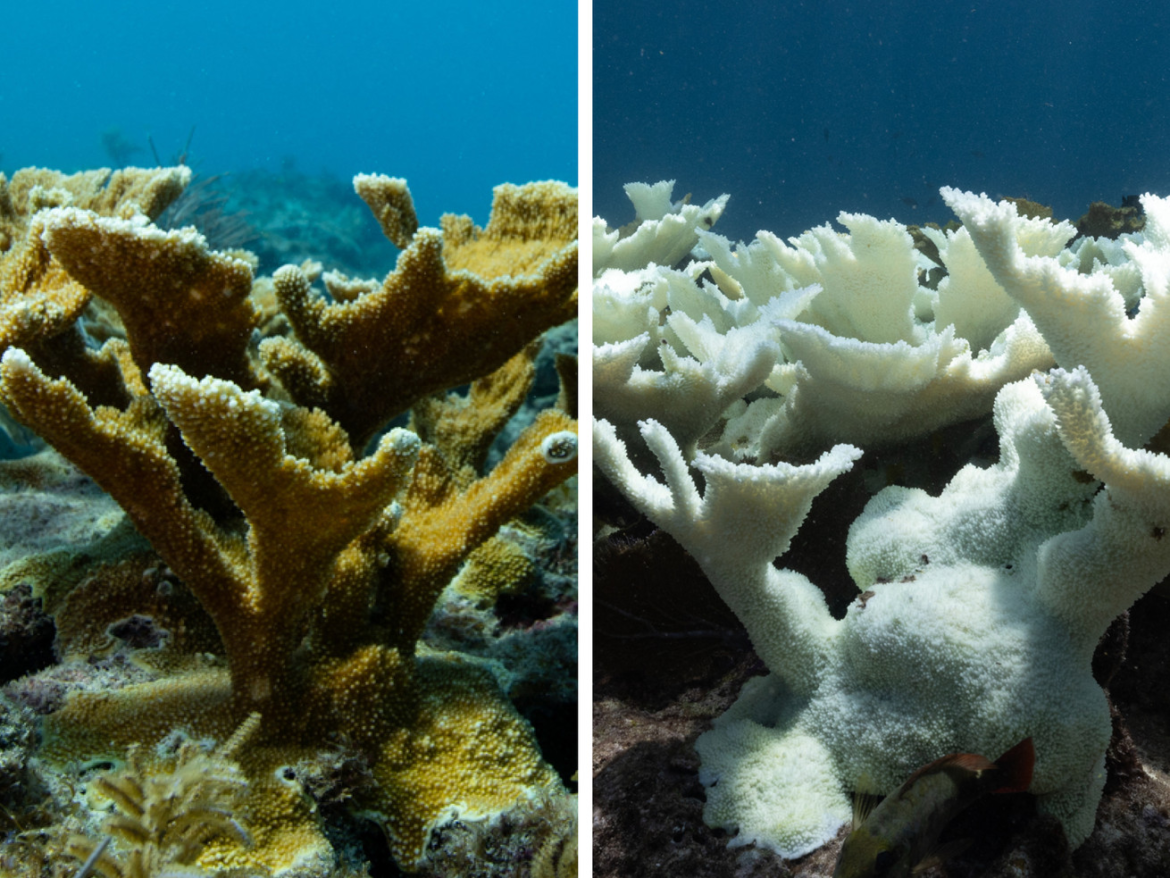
(298, 547)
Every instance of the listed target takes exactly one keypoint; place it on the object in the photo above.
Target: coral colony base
(269, 588)
(732, 386)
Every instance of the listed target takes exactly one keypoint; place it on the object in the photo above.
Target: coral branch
(442, 524)
(181, 304)
(299, 566)
(431, 326)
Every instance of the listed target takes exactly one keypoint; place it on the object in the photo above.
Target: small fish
(900, 836)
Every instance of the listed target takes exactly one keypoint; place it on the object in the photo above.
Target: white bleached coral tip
(16, 358)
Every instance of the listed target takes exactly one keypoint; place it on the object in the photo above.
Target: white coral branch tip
(652, 498)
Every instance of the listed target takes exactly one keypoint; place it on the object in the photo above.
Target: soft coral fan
(165, 818)
(318, 566)
(981, 607)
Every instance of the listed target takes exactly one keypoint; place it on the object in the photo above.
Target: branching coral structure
(979, 608)
(260, 471)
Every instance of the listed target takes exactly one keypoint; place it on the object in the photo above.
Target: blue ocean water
(454, 96)
(803, 109)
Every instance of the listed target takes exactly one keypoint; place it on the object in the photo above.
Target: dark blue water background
(454, 96)
(803, 109)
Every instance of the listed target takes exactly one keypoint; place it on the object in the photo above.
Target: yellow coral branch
(431, 326)
(181, 303)
(389, 200)
(442, 525)
(126, 453)
(38, 300)
(463, 428)
(300, 517)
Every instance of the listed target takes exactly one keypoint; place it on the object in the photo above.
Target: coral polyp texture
(734, 385)
(291, 546)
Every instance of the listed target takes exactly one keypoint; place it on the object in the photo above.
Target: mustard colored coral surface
(297, 484)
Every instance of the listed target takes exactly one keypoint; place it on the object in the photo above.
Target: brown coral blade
(132, 190)
(180, 302)
(33, 189)
(39, 308)
(302, 373)
(300, 517)
(463, 428)
(293, 508)
(441, 526)
(125, 453)
(528, 225)
(38, 300)
(120, 193)
(431, 327)
(389, 199)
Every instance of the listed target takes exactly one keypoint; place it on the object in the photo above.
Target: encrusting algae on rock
(318, 545)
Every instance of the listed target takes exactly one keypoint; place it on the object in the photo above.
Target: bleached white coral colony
(983, 604)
